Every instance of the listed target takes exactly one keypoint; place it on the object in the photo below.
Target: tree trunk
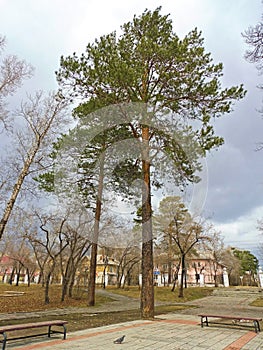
(42, 279)
(120, 279)
(215, 279)
(65, 284)
(11, 277)
(72, 281)
(94, 246)
(28, 277)
(147, 291)
(128, 278)
(174, 285)
(47, 283)
(3, 277)
(181, 288)
(40, 130)
(17, 187)
(15, 192)
(66, 279)
(18, 277)
(185, 278)
(170, 259)
(92, 275)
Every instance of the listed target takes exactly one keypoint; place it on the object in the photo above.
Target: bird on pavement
(119, 340)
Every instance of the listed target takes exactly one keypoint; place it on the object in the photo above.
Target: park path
(222, 301)
(117, 303)
(175, 331)
(227, 301)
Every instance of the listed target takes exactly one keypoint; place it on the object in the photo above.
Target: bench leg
(64, 331)
(257, 327)
(204, 320)
(49, 331)
(4, 340)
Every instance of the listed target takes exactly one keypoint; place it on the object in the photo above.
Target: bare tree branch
(42, 117)
(12, 74)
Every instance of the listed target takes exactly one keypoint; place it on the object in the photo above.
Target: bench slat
(255, 320)
(232, 317)
(17, 327)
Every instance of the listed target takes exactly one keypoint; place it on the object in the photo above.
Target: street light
(105, 260)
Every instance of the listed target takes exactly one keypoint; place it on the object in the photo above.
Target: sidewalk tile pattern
(167, 332)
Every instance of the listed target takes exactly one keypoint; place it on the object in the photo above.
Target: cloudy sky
(40, 31)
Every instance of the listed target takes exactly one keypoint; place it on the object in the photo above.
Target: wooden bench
(255, 320)
(19, 327)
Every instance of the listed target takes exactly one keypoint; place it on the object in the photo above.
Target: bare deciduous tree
(254, 38)
(233, 265)
(12, 73)
(42, 118)
(215, 247)
(49, 243)
(175, 222)
(128, 258)
(77, 232)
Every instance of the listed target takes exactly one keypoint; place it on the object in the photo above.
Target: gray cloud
(42, 31)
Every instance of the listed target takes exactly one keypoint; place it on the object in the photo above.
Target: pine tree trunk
(147, 291)
(92, 275)
(94, 246)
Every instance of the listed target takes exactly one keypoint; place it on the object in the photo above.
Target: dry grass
(31, 299)
(258, 302)
(19, 299)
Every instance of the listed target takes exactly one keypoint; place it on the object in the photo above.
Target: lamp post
(105, 260)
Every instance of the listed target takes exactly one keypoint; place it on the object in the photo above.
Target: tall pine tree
(175, 80)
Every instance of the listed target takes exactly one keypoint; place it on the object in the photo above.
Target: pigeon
(119, 340)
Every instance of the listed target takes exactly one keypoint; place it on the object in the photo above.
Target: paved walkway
(177, 331)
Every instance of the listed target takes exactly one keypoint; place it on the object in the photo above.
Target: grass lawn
(165, 294)
(258, 302)
(29, 299)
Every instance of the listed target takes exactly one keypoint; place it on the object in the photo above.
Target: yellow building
(106, 272)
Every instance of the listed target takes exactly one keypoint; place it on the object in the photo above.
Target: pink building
(202, 270)
(12, 270)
